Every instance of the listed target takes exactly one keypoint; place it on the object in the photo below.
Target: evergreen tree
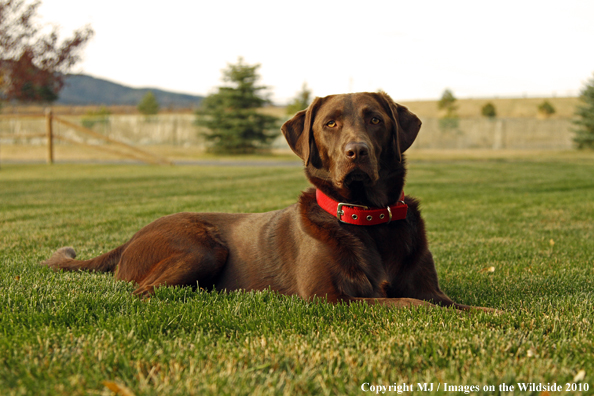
(301, 101)
(584, 134)
(231, 117)
(148, 105)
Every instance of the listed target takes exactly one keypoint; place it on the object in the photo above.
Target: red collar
(362, 215)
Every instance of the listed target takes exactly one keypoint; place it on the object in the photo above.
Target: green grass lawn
(514, 234)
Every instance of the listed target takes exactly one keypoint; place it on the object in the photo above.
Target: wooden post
(50, 136)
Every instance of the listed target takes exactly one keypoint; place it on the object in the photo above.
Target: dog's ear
(406, 124)
(299, 134)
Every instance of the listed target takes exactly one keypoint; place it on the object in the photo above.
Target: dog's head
(352, 145)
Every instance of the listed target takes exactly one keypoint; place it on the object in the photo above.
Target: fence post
(50, 136)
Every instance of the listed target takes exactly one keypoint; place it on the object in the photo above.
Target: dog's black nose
(356, 151)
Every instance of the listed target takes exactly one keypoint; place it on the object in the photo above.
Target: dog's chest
(387, 250)
(371, 267)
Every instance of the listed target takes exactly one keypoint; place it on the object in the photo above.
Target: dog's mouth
(357, 176)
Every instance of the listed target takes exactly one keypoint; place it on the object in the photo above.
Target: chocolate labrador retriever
(354, 237)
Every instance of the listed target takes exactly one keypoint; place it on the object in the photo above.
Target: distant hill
(80, 89)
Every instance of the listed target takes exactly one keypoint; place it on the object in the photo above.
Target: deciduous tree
(447, 104)
(32, 62)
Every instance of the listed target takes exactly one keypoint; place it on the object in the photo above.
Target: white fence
(500, 133)
(179, 130)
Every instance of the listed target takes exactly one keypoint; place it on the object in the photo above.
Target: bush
(93, 117)
(488, 110)
(546, 109)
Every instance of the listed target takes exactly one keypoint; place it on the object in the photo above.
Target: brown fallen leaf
(118, 389)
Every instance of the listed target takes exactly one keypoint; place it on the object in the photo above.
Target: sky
(413, 50)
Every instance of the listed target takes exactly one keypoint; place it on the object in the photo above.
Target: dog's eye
(375, 120)
(331, 124)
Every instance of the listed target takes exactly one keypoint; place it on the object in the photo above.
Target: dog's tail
(63, 259)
